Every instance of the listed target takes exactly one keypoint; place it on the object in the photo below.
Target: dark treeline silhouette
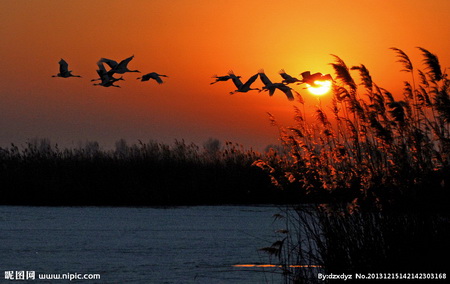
(143, 174)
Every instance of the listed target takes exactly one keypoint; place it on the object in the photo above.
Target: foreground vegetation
(144, 174)
(382, 162)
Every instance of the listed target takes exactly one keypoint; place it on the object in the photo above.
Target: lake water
(138, 245)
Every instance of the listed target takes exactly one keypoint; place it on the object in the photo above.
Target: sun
(321, 88)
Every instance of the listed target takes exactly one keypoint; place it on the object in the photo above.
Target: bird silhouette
(242, 88)
(271, 87)
(64, 70)
(288, 79)
(107, 79)
(309, 78)
(102, 70)
(119, 68)
(222, 78)
(153, 75)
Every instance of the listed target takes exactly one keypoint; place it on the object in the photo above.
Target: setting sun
(321, 88)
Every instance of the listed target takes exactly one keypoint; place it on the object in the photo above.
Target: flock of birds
(107, 79)
(307, 78)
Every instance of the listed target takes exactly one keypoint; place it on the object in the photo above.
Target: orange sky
(190, 41)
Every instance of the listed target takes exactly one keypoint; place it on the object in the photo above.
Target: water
(138, 245)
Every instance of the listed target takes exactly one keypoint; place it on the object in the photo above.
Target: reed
(377, 166)
(313, 241)
(375, 150)
(142, 174)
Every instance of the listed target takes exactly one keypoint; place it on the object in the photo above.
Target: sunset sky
(190, 41)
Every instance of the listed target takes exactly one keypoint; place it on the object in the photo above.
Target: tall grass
(379, 165)
(369, 147)
(142, 174)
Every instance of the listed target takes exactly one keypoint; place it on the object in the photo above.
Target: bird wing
(157, 78)
(284, 75)
(266, 81)
(100, 65)
(315, 76)
(103, 76)
(237, 82)
(250, 80)
(311, 78)
(327, 77)
(111, 63)
(271, 91)
(146, 77)
(124, 63)
(287, 78)
(100, 73)
(306, 75)
(287, 90)
(63, 66)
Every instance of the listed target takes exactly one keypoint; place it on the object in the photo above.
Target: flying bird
(64, 70)
(288, 79)
(309, 78)
(101, 71)
(153, 75)
(119, 68)
(222, 78)
(242, 88)
(271, 87)
(107, 79)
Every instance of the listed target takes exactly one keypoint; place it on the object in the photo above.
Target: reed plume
(404, 59)
(432, 63)
(365, 76)
(343, 73)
